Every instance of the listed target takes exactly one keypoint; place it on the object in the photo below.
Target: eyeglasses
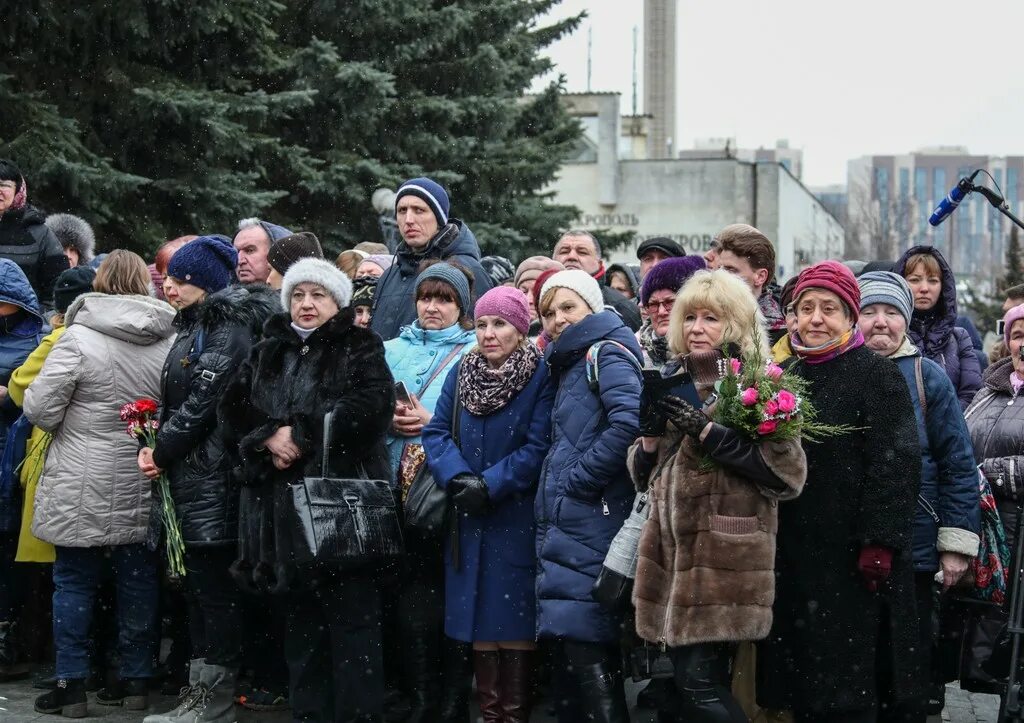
(653, 306)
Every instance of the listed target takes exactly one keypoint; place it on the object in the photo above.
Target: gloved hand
(469, 493)
(684, 415)
(875, 565)
(652, 420)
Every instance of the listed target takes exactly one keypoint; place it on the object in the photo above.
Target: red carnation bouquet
(141, 423)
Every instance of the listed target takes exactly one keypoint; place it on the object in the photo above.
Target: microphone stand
(1012, 704)
(998, 202)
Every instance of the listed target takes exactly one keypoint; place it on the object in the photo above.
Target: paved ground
(16, 707)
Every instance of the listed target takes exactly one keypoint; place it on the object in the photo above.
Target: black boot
(703, 675)
(598, 673)
(132, 693)
(457, 680)
(10, 667)
(423, 680)
(68, 699)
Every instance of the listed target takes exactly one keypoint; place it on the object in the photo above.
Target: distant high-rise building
(660, 76)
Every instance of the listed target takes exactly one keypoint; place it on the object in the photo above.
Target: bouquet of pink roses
(139, 415)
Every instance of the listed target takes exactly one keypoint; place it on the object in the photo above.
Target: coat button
(432, 353)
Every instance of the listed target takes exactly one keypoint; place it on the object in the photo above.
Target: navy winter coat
(491, 594)
(938, 337)
(947, 518)
(394, 302)
(585, 491)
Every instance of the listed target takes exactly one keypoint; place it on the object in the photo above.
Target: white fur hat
(579, 281)
(321, 273)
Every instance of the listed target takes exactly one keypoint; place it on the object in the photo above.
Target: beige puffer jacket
(91, 492)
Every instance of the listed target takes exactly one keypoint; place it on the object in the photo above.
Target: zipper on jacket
(927, 507)
(604, 507)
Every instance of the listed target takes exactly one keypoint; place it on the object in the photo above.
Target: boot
(10, 668)
(132, 693)
(515, 681)
(422, 680)
(602, 696)
(214, 701)
(703, 673)
(68, 699)
(186, 696)
(457, 680)
(486, 665)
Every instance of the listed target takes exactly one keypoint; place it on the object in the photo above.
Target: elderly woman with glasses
(657, 295)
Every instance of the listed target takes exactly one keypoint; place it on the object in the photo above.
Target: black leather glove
(652, 420)
(469, 494)
(684, 415)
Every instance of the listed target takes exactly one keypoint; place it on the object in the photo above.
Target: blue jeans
(76, 577)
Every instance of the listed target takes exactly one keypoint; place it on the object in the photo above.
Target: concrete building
(660, 76)
(689, 200)
(891, 197)
(705, 148)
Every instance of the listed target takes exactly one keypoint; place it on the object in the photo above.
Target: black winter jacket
(214, 338)
(28, 242)
(290, 382)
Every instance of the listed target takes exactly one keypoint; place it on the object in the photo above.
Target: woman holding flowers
(705, 570)
(844, 613)
(91, 501)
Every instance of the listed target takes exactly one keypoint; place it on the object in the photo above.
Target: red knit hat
(539, 285)
(831, 276)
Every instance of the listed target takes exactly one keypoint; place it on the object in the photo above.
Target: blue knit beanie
(207, 262)
(670, 274)
(451, 276)
(429, 192)
(885, 287)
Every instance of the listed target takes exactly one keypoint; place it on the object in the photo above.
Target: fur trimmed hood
(73, 232)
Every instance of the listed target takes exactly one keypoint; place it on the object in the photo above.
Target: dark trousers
(13, 578)
(214, 605)
(333, 648)
(77, 574)
(264, 619)
(916, 709)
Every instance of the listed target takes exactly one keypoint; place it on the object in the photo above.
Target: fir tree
(1014, 271)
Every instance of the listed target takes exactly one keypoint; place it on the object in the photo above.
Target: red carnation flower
(146, 406)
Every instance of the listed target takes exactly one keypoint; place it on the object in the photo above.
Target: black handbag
(341, 522)
(426, 504)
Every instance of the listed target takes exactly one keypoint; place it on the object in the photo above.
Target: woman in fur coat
(314, 359)
(705, 569)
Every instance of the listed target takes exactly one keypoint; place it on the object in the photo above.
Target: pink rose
(735, 364)
(774, 371)
(787, 401)
(767, 427)
(771, 408)
(749, 397)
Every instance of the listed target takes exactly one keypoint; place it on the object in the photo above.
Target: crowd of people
(512, 413)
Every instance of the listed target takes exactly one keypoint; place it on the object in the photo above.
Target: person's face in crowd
(8, 190)
(437, 312)
(497, 339)
(1012, 302)
(659, 310)
(1016, 340)
(740, 266)
(702, 330)
(649, 259)
(926, 287)
(577, 252)
(567, 307)
(883, 327)
(416, 222)
(72, 253)
(791, 322)
(180, 294)
(7, 309)
(618, 281)
(311, 305)
(369, 268)
(821, 317)
(711, 258)
(526, 287)
(362, 316)
(252, 246)
(274, 279)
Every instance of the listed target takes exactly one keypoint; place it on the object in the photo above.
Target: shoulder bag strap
(457, 412)
(440, 367)
(919, 378)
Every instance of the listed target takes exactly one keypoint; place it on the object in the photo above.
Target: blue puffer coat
(947, 518)
(938, 337)
(585, 492)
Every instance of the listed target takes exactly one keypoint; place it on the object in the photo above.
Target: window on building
(921, 197)
(882, 193)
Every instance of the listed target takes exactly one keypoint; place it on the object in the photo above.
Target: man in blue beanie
(428, 233)
(252, 242)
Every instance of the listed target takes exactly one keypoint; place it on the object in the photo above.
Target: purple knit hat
(670, 274)
(1014, 314)
(508, 303)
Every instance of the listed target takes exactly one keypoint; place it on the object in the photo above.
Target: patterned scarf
(484, 390)
(830, 349)
(656, 347)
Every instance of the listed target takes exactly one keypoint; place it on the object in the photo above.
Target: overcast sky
(839, 80)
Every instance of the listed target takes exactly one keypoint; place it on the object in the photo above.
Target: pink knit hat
(509, 304)
(1014, 314)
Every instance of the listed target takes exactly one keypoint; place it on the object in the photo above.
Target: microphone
(949, 204)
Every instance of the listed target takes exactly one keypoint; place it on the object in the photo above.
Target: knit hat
(831, 276)
(663, 244)
(579, 281)
(453, 277)
(428, 191)
(538, 285)
(207, 262)
(1014, 314)
(274, 232)
(532, 267)
(786, 295)
(71, 284)
(885, 287)
(380, 260)
(288, 250)
(509, 304)
(314, 271)
(498, 268)
(73, 232)
(670, 274)
(363, 290)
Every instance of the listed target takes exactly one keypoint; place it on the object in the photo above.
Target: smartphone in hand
(402, 394)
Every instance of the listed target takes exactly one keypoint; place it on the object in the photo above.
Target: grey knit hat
(453, 277)
(321, 273)
(885, 287)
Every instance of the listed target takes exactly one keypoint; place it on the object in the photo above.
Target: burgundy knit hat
(670, 274)
(831, 276)
(509, 304)
(539, 285)
(1014, 314)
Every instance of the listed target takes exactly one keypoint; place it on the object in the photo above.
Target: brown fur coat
(706, 560)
